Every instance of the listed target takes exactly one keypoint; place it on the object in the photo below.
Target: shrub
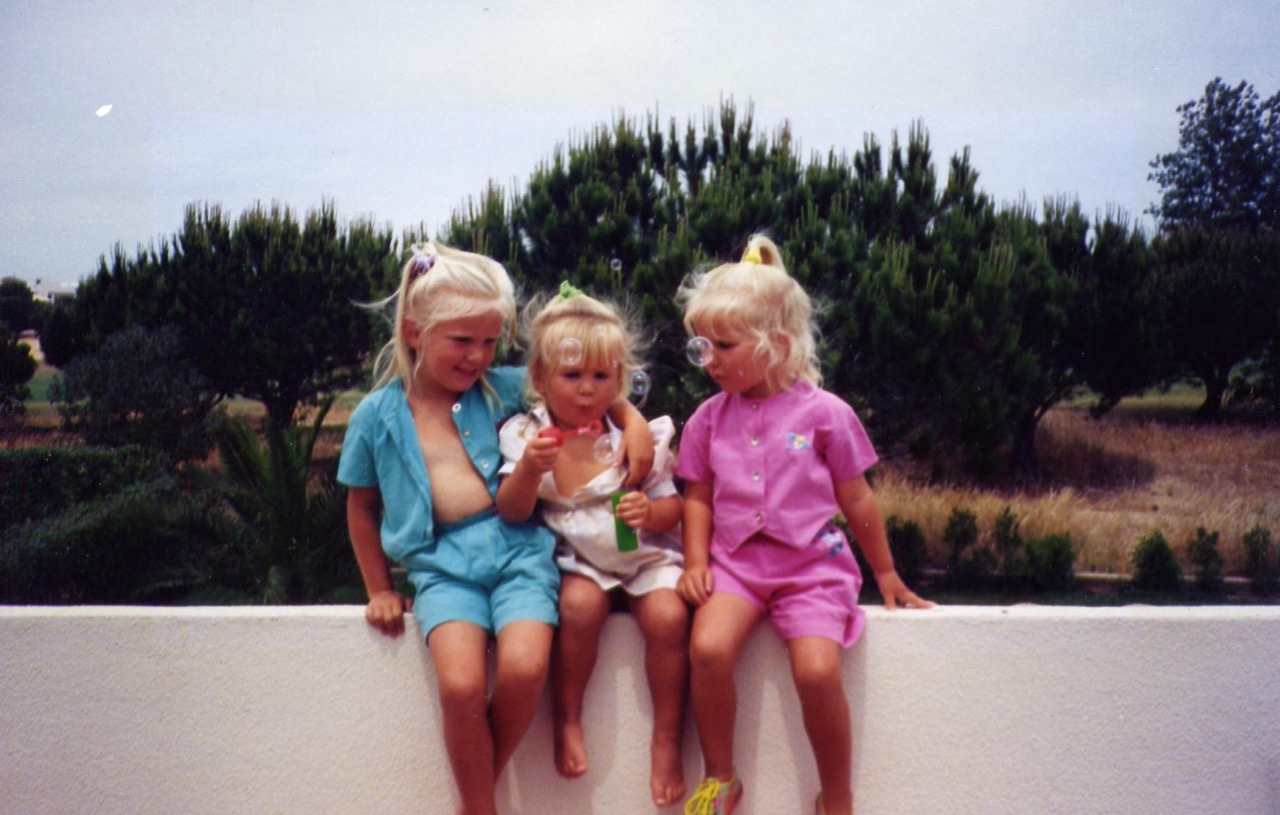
(961, 533)
(1155, 569)
(17, 366)
(1259, 564)
(295, 547)
(1203, 553)
(39, 482)
(138, 389)
(906, 542)
(1008, 545)
(145, 542)
(1051, 561)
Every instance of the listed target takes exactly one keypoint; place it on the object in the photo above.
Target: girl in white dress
(614, 547)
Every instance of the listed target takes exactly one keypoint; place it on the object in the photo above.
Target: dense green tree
(17, 366)
(17, 305)
(1226, 170)
(138, 389)
(1222, 303)
(264, 304)
(1115, 329)
(943, 318)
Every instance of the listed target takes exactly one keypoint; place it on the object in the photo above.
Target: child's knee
(461, 691)
(709, 651)
(666, 622)
(525, 665)
(817, 676)
(583, 605)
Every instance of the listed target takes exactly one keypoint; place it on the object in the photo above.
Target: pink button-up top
(772, 463)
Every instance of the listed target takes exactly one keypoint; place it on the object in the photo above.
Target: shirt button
(466, 434)
(755, 476)
(457, 406)
(755, 440)
(755, 405)
(484, 463)
(759, 517)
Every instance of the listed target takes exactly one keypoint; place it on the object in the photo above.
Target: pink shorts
(805, 592)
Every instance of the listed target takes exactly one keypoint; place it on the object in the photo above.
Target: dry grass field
(1107, 483)
(1111, 482)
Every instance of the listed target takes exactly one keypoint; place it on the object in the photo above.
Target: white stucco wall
(961, 710)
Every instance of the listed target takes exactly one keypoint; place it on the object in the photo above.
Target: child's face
(737, 365)
(579, 393)
(454, 354)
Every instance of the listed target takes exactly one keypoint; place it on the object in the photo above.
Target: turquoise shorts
(488, 572)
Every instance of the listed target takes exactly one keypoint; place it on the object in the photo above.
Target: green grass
(39, 385)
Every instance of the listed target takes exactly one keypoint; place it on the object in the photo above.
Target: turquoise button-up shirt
(381, 450)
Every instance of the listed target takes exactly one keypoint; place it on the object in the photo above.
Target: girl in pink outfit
(767, 463)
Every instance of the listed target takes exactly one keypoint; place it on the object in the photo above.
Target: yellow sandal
(715, 797)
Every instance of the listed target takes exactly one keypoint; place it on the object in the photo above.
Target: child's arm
(387, 607)
(697, 581)
(862, 513)
(637, 441)
(518, 492)
(657, 515)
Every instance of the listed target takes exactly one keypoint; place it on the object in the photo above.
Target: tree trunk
(1023, 461)
(1215, 389)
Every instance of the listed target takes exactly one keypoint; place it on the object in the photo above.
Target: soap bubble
(638, 387)
(570, 351)
(603, 449)
(699, 351)
(639, 383)
(615, 265)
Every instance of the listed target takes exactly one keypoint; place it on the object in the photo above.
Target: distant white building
(50, 291)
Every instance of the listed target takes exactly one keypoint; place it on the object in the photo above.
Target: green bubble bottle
(627, 540)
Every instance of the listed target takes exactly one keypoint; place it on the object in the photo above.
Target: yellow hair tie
(752, 255)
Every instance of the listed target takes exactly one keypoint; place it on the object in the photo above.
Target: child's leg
(459, 651)
(815, 666)
(664, 621)
(720, 627)
(524, 654)
(584, 607)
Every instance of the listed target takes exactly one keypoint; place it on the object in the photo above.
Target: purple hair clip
(421, 263)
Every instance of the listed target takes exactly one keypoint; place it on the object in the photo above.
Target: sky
(400, 112)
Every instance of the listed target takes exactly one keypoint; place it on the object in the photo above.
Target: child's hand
(386, 611)
(634, 509)
(540, 454)
(695, 585)
(637, 453)
(894, 591)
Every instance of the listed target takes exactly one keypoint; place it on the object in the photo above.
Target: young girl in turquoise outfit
(767, 463)
(582, 356)
(421, 459)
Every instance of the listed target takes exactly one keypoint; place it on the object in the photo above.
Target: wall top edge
(877, 613)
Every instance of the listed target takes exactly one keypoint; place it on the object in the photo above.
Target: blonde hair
(600, 331)
(439, 283)
(758, 297)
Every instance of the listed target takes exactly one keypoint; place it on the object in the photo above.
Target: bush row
(1009, 564)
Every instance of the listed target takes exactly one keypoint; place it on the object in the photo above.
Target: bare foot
(571, 749)
(666, 772)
